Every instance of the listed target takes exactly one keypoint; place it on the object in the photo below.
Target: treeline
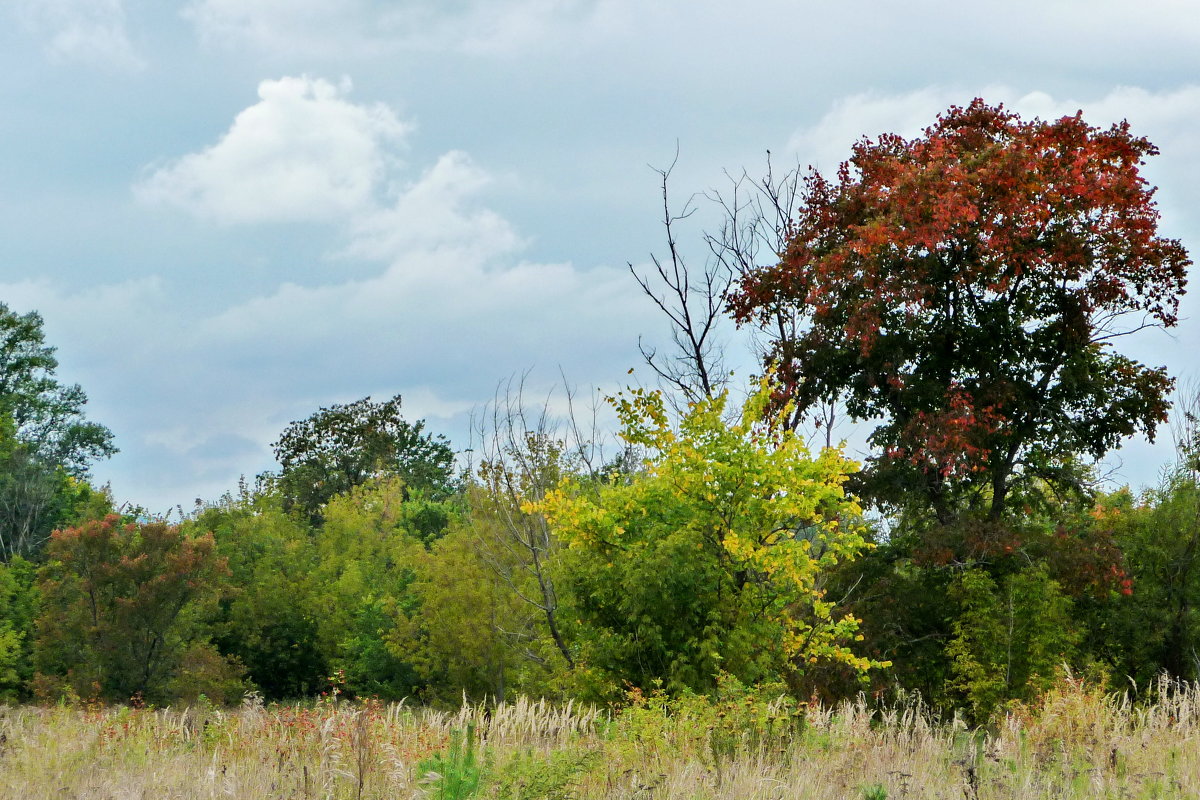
(959, 294)
(367, 566)
(541, 573)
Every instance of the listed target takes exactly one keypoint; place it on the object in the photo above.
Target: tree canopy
(122, 614)
(712, 559)
(343, 446)
(965, 288)
(48, 415)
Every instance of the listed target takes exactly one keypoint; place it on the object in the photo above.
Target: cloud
(447, 306)
(85, 31)
(341, 27)
(193, 410)
(742, 43)
(431, 214)
(303, 153)
(452, 294)
(275, 24)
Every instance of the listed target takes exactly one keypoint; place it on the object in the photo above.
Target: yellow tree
(711, 559)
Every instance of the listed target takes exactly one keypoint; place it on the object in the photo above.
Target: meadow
(1076, 742)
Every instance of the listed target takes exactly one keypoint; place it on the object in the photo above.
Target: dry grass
(1077, 743)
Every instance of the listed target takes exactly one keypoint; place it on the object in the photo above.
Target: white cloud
(303, 153)
(450, 309)
(432, 213)
(86, 31)
(451, 282)
(502, 28)
(713, 39)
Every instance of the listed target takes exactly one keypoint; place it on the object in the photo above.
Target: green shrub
(455, 774)
(536, 776)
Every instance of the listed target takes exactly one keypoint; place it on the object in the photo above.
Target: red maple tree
(965, 288)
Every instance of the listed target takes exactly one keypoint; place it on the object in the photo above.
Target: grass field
(1077, 743)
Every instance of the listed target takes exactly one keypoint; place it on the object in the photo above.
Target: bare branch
(524, 451)
(694, 303)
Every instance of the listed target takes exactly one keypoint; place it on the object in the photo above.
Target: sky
(233, 212)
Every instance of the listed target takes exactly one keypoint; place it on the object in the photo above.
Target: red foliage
(965, 286)
(117, 605)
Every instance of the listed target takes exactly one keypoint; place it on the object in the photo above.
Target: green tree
(514, 537)
(524, 452)
(473, 631)
(37, 496)
(34, 496)
(368, 551)
(17, 607)
(268, 619)
(46, 444)
(907, 590)
(48, 416)
(711, 560)
(1009, 639)
(343, 446)
(1151, 623)
(124, 611)
(965, 289)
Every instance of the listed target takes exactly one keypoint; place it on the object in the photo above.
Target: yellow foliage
(750, 496)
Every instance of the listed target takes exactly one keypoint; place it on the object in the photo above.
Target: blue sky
(232, 212)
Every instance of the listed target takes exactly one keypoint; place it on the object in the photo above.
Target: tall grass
(1075, 743)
